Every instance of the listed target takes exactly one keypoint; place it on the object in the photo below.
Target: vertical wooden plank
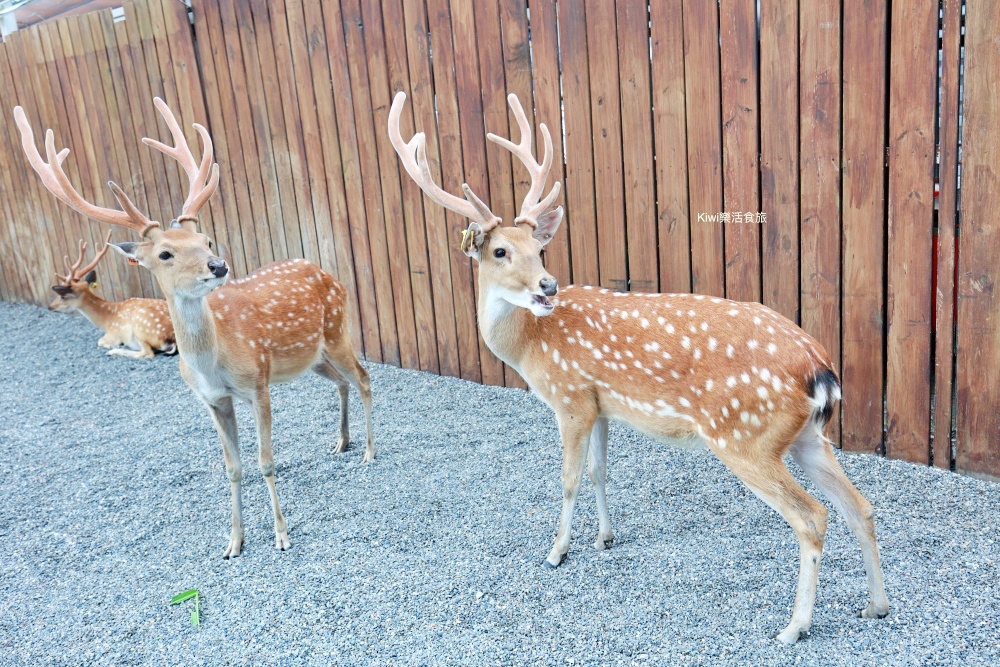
(819, 93)
(501, 166)
(357, 65)
(399, 213)
(150, 125)
(129, 279)
(272, 142)
(304, 135)
(338, 231)
(26, 206)
(421, 104)
(912, 100)
(45, 59)
(779, 146)
(249, 126)
(669, 131)
(234, 189)
(740, 130)
(637, 144)
(545, 56)
(302, 229)
(177, 43)
(979, 249)
(581, 213)
(143, 183)
(944, 293)
(351, 167)
(606, 131)
(139, 188)
(138, 19)
(116, 272)
(863, 219)
(470, 104)
(704, 145)
(256, 108)
(51, 245)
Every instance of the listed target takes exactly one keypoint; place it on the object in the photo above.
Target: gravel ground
(115, 499)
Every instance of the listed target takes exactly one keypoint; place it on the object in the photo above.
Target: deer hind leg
(327, 370)
(225, 423)
(265, 459)
(340, 354)
(597, 468)
(574, 430)
(814, 454)
(770, 480)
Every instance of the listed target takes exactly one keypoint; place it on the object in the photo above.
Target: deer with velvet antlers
(142, 326)
(736, 377)
(238, 337)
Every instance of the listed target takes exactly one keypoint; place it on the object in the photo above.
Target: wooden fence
(679, 121)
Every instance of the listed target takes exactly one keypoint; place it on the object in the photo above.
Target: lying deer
(143, 326)
(234, 338)
(738, 377)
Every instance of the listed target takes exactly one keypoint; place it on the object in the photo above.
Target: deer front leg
(265, 459)
(573, 431)
(598, 471)
(107, 341)
(225, 423)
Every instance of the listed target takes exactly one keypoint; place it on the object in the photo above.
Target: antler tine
(199, 191)
(413, 155)
(71, 268)
(97, 258)
(55, 181)
(531, 207)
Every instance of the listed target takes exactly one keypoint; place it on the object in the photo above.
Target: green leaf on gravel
(186, 595)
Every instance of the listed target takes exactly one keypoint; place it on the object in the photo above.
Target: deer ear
(91, 278)
(473, 239)
(129, 249)
(62, 290)
(547, 225)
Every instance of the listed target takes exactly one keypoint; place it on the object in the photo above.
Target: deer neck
(507, 329)
(194, 330)
(97, 310)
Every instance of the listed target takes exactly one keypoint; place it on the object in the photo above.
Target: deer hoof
(341, 446)
(551, 566)
(281, 541)
(234, 547)
(871, 611)
(791, 635)
(603, 543)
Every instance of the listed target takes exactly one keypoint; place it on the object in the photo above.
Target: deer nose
(218, 267)
(549, 286)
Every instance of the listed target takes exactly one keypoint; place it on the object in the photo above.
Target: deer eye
(499, 253)
(165, 255)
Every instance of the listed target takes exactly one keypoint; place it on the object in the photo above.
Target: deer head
(77, 281)
(509, 257)
(182, 259)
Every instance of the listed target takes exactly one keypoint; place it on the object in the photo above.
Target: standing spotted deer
(143, 326)
(736, 377)
(234, 338)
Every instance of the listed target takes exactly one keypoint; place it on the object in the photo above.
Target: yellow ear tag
(93, 285)
(465, 238)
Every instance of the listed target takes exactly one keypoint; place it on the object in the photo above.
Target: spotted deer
(238, 337)
(143, 326)
(736, 377)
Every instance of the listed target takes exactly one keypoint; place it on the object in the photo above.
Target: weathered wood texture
(788, 159)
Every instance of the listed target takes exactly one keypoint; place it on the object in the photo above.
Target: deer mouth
(542, 301)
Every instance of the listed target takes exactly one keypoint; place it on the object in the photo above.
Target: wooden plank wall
(680, 123)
